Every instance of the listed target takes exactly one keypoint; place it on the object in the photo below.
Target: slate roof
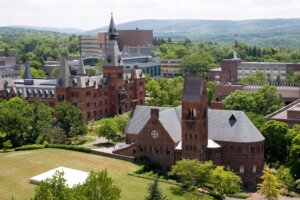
(192, 88)
(221, 129)
(221, 124)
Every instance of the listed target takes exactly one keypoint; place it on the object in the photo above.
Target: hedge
(68, 147)
(55, 146)
(30, 147)
(238, 195)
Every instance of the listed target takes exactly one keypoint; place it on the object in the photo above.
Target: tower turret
(64, 74)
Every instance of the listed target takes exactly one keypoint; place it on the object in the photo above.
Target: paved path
(97, 141)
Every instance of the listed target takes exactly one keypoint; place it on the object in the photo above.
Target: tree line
(25, 123)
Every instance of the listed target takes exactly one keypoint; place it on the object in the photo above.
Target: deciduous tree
(270, 185)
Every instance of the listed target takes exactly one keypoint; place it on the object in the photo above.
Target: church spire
(112, 31)
(27, 72)
(112, 51)
(64, 73)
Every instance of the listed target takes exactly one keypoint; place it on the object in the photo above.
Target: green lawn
(16, 168)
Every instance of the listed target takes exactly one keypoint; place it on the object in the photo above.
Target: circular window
(154, 134)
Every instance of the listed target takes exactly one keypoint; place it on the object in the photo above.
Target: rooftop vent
(232, 120)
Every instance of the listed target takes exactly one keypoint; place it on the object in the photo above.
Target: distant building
(192, 131)
(9, 68)
(233, 70)
(289, 114)
(129, 41)
(170, 68)
(147, 64)
(289, 93)
(115, 92)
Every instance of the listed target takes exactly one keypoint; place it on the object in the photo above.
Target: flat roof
(73, 177)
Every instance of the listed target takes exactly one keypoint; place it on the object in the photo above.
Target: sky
(91, 14)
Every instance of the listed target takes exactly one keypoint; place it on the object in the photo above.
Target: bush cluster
(68, 147)
(30, 147)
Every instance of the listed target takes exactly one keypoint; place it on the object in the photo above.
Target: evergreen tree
(270, 185)
(154, 191)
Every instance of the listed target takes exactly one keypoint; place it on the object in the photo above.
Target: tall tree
(154, 191)
(224, 182)
(108, 129)
(294, 157)
(70, 119)
(239, 100)
(98, 186)
(53, 189)
(197, 63)
(270, 185)
(275, 141)
(267, 100)
(197, 172)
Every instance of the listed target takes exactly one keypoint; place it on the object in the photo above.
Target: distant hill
(265, 32)
(262, 32)
(51, 29)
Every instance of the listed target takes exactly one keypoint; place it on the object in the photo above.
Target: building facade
(166, 135)
(289, 114)
(9, 68)
(129, 41)
(171, 68)
(233, 70)
(114, 92)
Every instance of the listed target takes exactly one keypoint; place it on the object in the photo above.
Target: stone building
(114, 92)
(166, 135)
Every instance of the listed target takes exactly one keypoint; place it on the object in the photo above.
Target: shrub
(68, 147)
(29, 147)
(238, 195)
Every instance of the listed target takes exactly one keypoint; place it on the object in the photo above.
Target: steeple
(112, 31)
(27, 72)
(64, 74)
(81, 69)
(112, 51)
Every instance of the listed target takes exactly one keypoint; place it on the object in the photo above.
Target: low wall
(116, 156)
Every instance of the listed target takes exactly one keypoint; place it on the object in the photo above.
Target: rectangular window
(241, 169)
(228, 168)
(254, 168)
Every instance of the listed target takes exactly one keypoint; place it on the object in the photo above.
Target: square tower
(194, 118)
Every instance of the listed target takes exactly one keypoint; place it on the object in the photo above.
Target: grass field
(16, 168)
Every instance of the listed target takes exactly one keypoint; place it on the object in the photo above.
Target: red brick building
(193, 131)
(114, 92)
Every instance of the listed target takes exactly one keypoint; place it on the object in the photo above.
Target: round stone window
(154, 134)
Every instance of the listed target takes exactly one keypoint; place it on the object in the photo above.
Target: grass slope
(16, 168)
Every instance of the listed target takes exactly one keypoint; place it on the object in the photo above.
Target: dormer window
(232, 120)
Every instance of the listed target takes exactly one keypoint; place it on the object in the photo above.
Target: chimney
(154, 113)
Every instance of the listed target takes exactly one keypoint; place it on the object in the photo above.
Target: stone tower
(113, 70)
(194, 118)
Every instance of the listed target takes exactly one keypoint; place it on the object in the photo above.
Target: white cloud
(89, 14)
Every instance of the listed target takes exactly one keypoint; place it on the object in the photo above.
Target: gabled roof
(220, 126)
(167, 117)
